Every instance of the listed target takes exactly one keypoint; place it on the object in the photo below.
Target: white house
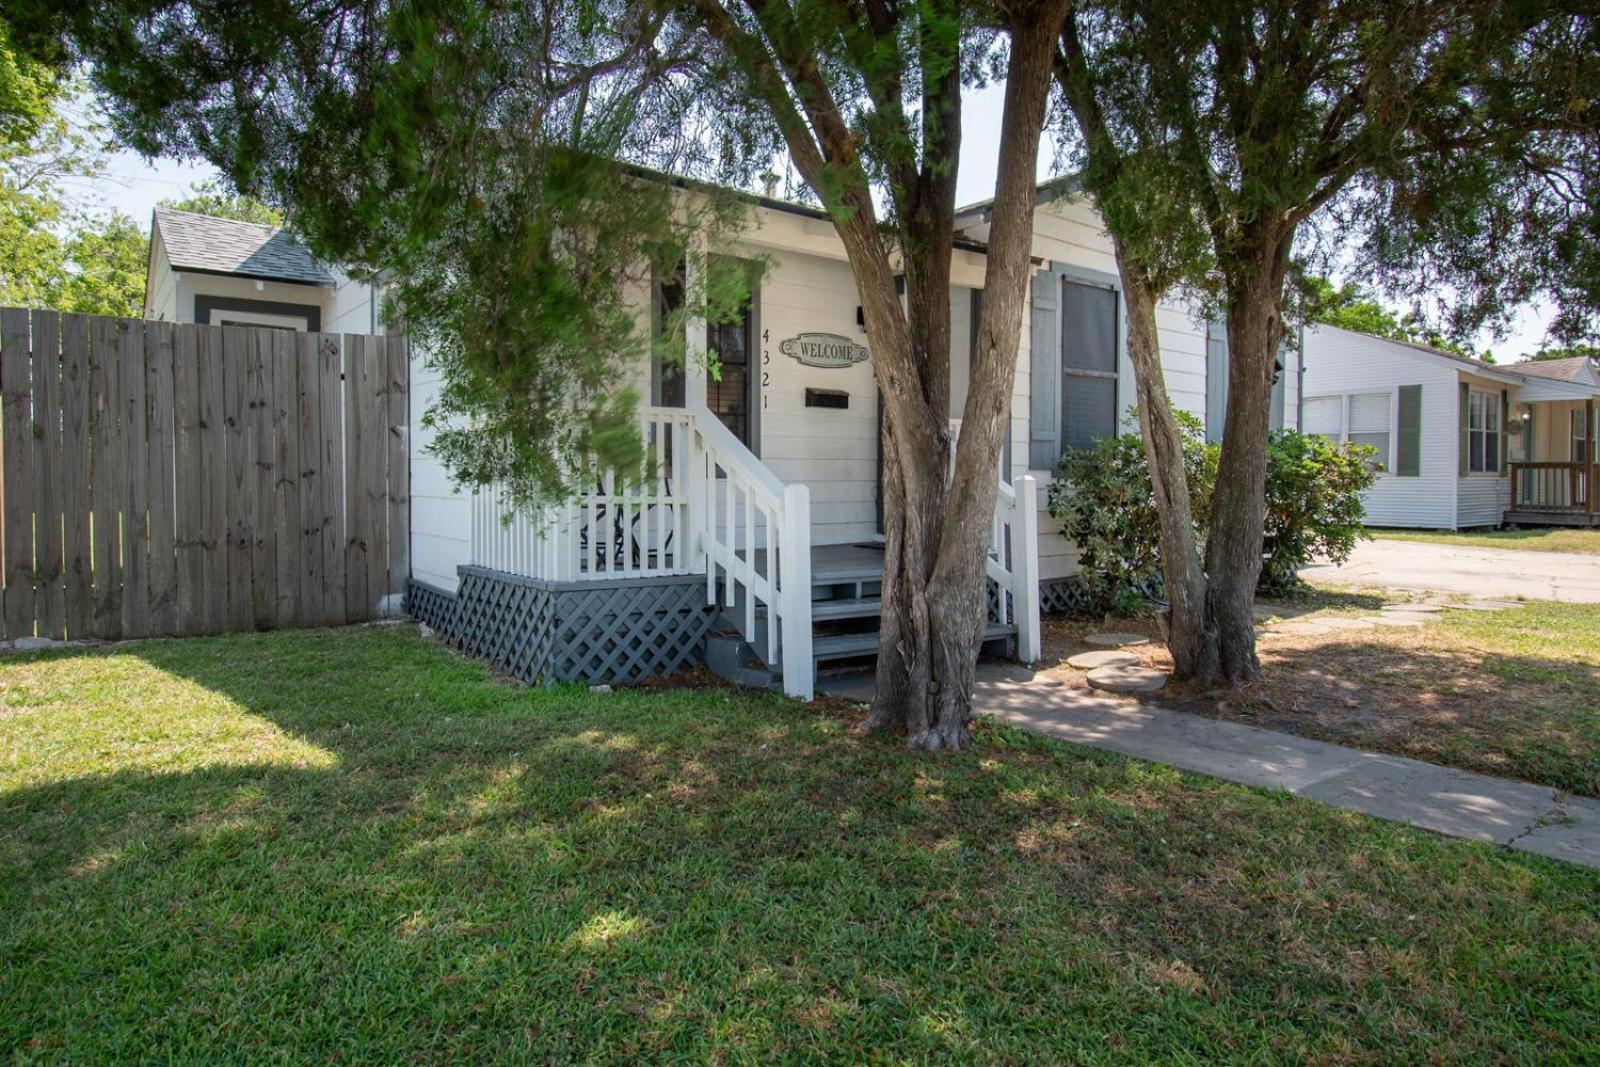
(769, 500)
(224, 272)
(765, 501)
(1463, 443)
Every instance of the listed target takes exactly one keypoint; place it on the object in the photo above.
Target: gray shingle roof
(1567, 370)
(227, 246)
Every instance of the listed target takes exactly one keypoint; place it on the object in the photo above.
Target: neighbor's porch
(1553, 481)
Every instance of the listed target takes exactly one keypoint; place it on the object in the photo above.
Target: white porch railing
(702, 503)
(623, 524)
(1013, 556)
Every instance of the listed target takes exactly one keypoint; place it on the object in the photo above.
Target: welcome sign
(827, 350)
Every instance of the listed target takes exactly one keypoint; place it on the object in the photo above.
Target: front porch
(703, 513)
(1552, 482)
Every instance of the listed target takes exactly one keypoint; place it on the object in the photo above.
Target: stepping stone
(1127, 679)
(1486, 605)
(1308, 628)
(1340, 622)
(1088, 661)
(1413, 609)
(1395, 618)
(1116, 640)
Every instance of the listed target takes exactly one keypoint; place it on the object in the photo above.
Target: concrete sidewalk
(1525, 817)
(1480, 572)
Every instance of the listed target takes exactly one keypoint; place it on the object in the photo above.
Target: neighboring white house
(229, 273)
(1463, 443)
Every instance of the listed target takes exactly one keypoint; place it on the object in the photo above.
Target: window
(666, 312)
(1088, 364)
(1580, 437)
(1368, 415)
(1355, 418)
(1483, 432)
(729, 393)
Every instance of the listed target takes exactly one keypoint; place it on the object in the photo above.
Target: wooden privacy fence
(168, 478)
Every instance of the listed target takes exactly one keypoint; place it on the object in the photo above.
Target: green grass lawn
(353, 846)
(1560, 539)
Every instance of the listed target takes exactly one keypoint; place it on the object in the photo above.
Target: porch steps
(845, 608)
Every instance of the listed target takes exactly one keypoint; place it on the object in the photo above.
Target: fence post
(1025, 569)
(799, 669)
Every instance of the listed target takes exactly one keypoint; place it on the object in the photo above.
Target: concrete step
(850, 646)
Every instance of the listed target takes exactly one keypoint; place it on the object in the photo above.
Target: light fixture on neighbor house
(260, 285)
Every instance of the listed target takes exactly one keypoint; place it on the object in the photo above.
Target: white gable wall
(1340, 362)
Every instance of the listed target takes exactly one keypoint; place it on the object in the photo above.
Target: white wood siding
(1340, 362)
(1070, 232)
(441, 517)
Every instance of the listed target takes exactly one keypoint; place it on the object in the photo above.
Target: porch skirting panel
(540, 631)
(1062, 596)
(433, 607)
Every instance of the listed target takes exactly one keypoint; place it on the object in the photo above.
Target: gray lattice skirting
(1062, 596)
(432, 606)
(625, 630)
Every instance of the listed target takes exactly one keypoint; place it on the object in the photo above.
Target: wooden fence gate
(168, 478)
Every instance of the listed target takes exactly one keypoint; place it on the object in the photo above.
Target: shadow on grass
(480, 871)
(1531, 717)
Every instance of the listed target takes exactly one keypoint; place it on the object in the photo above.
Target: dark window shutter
(1044, 408)
(1505, 415)
(1408, 449)
(1465, 467)
(1216, 379)
(1088, 364)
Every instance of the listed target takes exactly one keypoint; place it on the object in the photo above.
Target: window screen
(1369, 422)
(1324, 416)
(1088, 364)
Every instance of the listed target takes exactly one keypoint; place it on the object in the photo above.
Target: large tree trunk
(1233, 552)
(1189, 635)
(934, 610)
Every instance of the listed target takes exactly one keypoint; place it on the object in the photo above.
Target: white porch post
(1025, 570)
(799, 669)
(694, 326)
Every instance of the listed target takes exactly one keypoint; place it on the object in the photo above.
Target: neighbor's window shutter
(1044, 404)
(1216, 378)
(1408, 450)
(1505, 417)
(1464, 467)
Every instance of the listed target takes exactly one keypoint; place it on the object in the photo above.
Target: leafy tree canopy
(1590, 352)
(52, 253)
(1353, 306)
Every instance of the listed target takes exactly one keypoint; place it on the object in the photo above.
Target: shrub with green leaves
(1104, 500)
(1314, 504)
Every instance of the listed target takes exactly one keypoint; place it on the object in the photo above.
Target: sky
(134, 185)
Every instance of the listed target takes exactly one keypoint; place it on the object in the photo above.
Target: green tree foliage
(107, 257)
(1105, 500)
(1590, 352)
(1452, 149)
(51, 253)
(212, 197)
(1353, 306)
(29, 88)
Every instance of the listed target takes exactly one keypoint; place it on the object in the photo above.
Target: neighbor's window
(1356, 418)
(1580, 436)
(1483, 432)
(1368, 415)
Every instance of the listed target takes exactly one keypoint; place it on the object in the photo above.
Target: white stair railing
(1012, 559)
(755, 535)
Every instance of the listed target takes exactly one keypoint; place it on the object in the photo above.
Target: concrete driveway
(1482, 572)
